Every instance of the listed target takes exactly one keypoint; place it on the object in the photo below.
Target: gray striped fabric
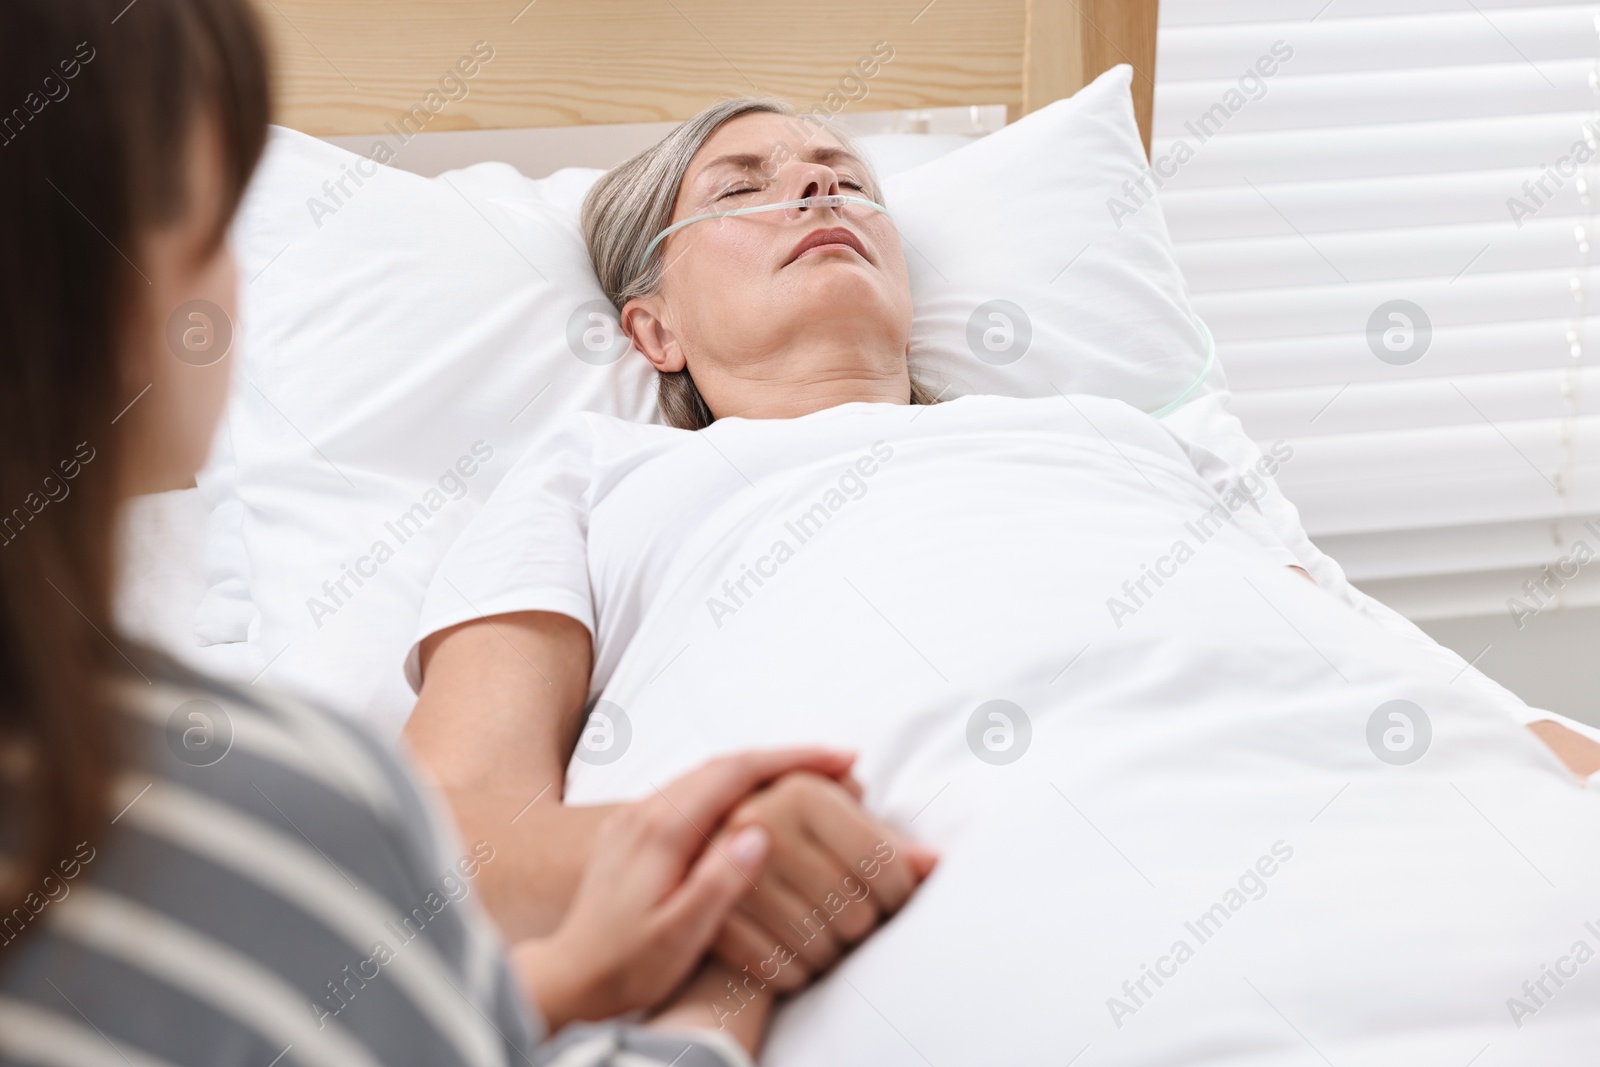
(274, 890)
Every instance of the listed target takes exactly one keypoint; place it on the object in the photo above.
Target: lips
(834, 236)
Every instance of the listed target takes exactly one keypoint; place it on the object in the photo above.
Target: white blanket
(1203, 794)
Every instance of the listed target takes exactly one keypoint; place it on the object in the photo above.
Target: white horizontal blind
(1374, 165)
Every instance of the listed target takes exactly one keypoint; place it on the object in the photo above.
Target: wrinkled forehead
(760, 144)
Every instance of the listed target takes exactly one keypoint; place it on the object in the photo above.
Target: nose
(810, 179)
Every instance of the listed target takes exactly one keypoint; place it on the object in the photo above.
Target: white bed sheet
(1222, 728)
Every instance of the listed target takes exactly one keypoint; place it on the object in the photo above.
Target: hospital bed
(1058, 904)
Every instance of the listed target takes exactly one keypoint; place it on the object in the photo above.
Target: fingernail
(748, 846)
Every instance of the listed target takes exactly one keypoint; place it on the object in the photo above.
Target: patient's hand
(832, 875)
(653, 894)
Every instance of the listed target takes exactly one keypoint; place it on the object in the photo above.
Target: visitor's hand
(653, 894)
(716, 999)
(833, 874)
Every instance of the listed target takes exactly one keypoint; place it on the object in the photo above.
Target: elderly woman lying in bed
(813, 550)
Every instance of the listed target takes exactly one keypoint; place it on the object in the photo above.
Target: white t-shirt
(591, 520)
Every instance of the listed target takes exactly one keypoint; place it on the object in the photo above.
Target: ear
(642, 322)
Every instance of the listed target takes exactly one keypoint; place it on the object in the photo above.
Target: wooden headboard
(358, 66)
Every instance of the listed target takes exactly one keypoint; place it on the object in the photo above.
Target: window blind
(1391, 236)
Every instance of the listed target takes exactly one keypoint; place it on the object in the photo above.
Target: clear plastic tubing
(785, 205)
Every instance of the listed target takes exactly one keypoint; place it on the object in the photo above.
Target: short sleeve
(527, 549)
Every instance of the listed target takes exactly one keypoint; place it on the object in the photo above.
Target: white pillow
(389, 325)
(402, 340)
(1024, 283)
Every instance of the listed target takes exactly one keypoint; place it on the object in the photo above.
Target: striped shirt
(275, 890)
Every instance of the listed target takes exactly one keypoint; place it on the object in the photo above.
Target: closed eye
(736, 191)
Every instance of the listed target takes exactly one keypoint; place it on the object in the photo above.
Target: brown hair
(103, 99)
(633, 202)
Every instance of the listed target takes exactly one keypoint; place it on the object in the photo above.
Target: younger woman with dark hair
(195, 874)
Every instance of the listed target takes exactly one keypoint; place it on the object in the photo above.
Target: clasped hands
(733, 884)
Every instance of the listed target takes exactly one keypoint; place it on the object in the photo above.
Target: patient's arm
(498, 714)
(496, 722)
(1581, 755)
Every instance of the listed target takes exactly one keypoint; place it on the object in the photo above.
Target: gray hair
(633, 202)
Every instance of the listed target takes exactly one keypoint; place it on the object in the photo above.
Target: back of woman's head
(99, 103)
